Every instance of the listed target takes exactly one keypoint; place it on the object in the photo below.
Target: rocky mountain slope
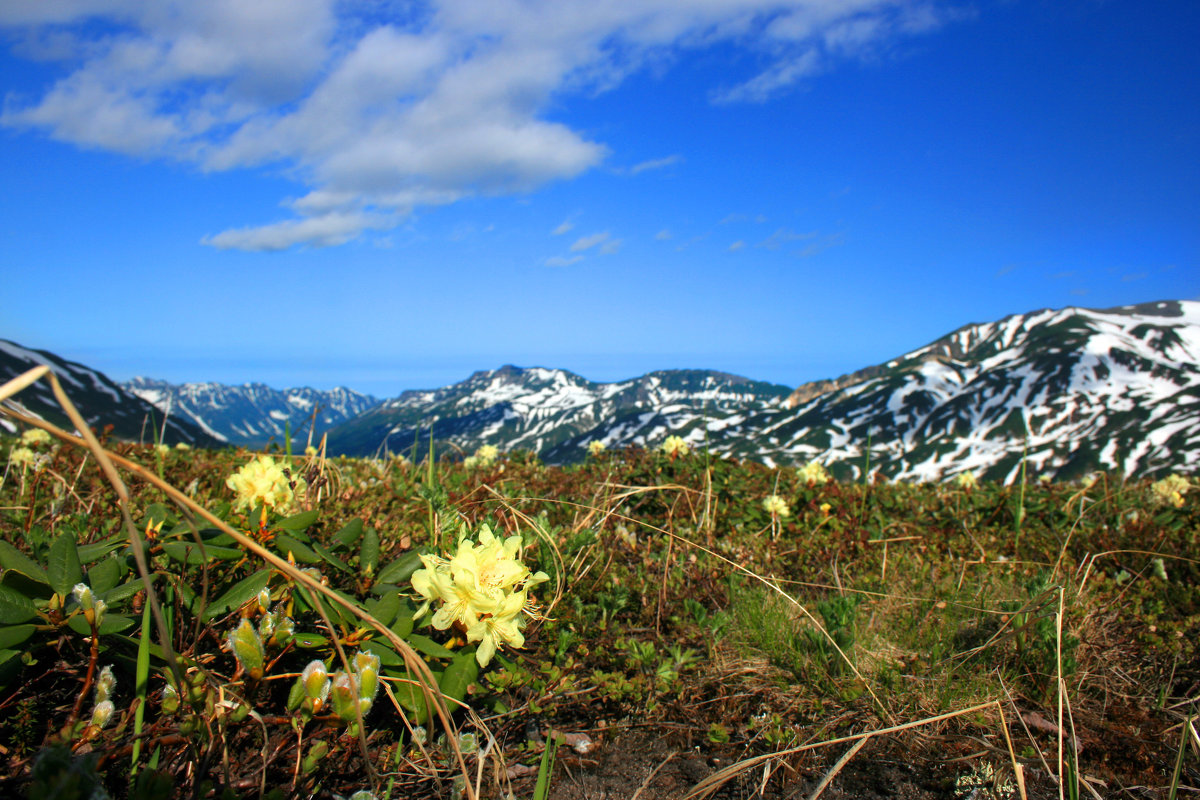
(1057, 392)
(101, 401)
(1063, 392)
(552, 412)
(253, 414)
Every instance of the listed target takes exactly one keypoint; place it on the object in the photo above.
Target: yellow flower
(161, 449)
(674, 446)
(182, 446)
(34, 437)
(1170, 490)
(20, 455)
(966, 480)
(776, 506)
(825, 508)
(813, 473)
(487, 454)
(596, 447)
(262, 481)
(482, 589)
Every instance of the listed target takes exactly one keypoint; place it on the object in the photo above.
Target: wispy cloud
(657, 163)
(563, 261)
(782, 236)
(738, 245)
(1134, 276)
(822, 244)
(663, 235)
(611, 247)
(563, 227)
(378, 110)
(588, 242)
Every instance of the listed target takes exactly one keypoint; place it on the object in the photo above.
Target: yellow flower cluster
(966, 480)
(483, 590)
(674, 446)
(813, 473)
(20, 455)
(776, 506)
(596, 447)
(485, 456)
(262, 481)
(1170, 490)
(35, 437)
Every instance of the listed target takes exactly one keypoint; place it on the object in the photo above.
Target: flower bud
(247, 648)
(264, 600)
(102, 713)
(83, 596)
(366, 665)
(95, 614)
(170, 699)
(105, 683)
(344, 696)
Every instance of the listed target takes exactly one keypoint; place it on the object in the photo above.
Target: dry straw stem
(415, 664)
(712, 783)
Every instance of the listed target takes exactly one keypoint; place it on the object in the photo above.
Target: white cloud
(663, 235)
(782, 236)
(588, 242)
(563, 261)
(611, 247)
(657, 163)
(738, 245)
(376, 109)
(563, 227)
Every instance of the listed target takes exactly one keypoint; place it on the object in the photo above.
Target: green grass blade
(140, 687)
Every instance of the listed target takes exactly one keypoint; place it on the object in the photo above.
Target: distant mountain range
(99, 400)
(1063, 392)
(253, 414)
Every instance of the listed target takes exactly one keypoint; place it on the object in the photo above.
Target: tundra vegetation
(655, 623)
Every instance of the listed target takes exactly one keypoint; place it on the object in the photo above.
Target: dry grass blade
(712, 783)
(415, 664)
(836, 768)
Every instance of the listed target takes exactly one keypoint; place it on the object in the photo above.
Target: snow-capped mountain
(1065, 391)
(252, 414)
(101, 401)
(551, 411)
(1062, 391)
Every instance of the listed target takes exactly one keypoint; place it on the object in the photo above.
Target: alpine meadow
(624, 400)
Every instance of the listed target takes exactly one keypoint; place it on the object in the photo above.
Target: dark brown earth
(648, 764)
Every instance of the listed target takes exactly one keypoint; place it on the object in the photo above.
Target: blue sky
(391, 195)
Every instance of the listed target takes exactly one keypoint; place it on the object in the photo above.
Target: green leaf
(191, 553)
(310, 641)
(104, 575)
(301, 552)
(96, 550)
(241, 592)
(110, 624)
(298, 522)
(384, 608)
(400, 570)
(368, 555)
(403, 625)
(332, 560)
(127, 589)
(13, 559)
(429, 647)
(411, 696)
(348, 535)
(460, 674)
(62, 565)
(13, 635)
